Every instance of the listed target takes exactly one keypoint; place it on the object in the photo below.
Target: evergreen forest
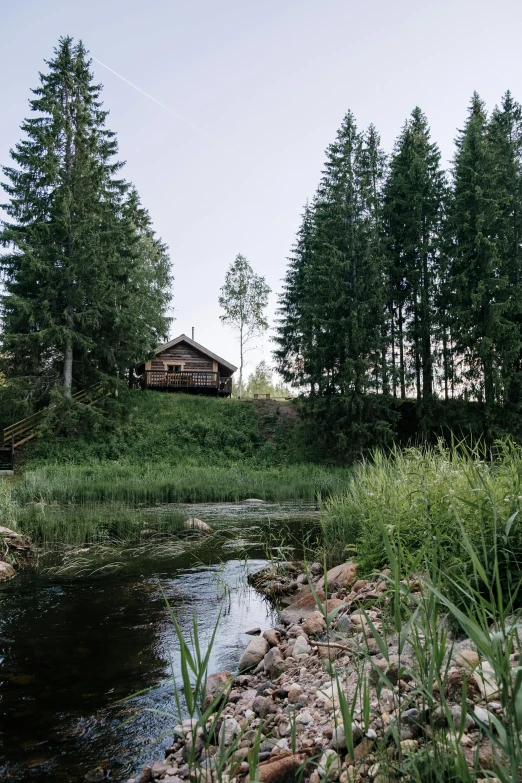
(401, 309)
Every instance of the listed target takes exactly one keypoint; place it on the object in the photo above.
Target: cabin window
(173, 367)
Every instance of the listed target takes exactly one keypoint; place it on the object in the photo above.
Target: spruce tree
(73, 246)
(413, 215)
(479, 278)
(505, 141)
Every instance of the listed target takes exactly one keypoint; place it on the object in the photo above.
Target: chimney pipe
(192, 332)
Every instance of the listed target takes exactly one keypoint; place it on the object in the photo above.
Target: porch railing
(160, 379)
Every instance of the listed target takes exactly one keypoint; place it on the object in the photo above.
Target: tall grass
(428, 497)
(159, 482)
(79, 525)
(8, 506)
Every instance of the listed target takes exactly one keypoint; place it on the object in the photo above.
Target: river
(87, 629)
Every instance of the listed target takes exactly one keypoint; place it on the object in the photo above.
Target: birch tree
(244, 297)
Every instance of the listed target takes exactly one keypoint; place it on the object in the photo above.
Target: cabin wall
(189, 358)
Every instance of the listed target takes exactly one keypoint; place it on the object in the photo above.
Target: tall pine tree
(413, 216)
(479, 269)
(75, 249)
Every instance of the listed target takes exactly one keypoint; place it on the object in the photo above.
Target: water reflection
(70, 649)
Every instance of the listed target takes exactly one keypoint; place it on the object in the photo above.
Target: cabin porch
(193, 382)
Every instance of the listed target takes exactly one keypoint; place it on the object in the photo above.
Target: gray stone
(301, 647)
(253, 655)
(274, 663)
(329, 766)
(230, 729)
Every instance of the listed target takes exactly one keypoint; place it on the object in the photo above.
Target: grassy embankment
(433, 505)
(170, 448)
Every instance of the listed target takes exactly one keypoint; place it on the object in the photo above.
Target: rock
(261, 706)
(344, 574)
(279, 768)
(305, 718)
(193, 748)
(159, 769)
(412, 719)
(218, 683)
(254, 653)
(482, 715)
(96, 775)
(338, 741)
(273, 637)
(456, 680)
(302, 579)
(314, 623)
(390, 668)
(253, 632)
(301, 647)
(294, 692)
(230, 729)
(329, 766)
(274, 663)
(6, 571)
(439, 717)
(363, 749)
(254, 500)
(409, 746)
(316, 569)
(467, 659)
(344, 623)
(145, 776)
(197, 524)
(360, 584)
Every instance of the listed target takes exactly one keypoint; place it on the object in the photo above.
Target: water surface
(72, 646)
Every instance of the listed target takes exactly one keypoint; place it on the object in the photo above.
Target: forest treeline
(405, 279)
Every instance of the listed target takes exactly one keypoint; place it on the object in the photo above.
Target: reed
(90, 524)
(429, 496)
(160, 482)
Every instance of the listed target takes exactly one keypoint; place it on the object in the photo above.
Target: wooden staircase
(25, 430)
(6, 459)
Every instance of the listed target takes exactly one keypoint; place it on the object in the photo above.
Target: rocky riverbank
(16, 552)
(325, 693)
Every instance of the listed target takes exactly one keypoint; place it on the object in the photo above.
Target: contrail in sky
(151, 97)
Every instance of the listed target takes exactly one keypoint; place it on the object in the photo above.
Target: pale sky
(263, 87)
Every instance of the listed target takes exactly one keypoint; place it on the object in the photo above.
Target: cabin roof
(184, 339)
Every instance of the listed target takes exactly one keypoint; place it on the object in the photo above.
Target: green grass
(160, 482)
(79, 525)
(432, 500)
(174, 448)
(144, 427)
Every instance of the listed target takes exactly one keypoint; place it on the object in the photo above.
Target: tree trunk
(67, 367)
(240, 389)
(401, 355)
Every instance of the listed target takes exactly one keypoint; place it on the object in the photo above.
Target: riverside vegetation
(165, 449)
(409, 674)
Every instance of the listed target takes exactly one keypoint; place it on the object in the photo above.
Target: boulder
(273, 637)
(218, 683)
(193, 523)
(254, 654)
(344, 574)
(254, 501)
(6, 571)
(274, 663)
(314, 623)
(301, 647)
(230, 729)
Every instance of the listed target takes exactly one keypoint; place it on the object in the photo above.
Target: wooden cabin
(184, 365)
